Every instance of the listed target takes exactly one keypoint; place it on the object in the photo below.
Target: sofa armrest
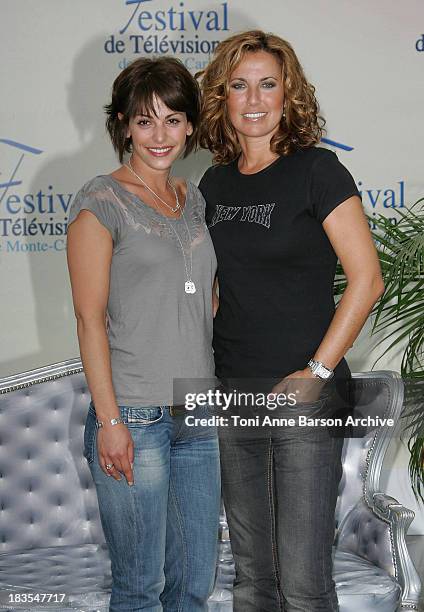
(399, 518)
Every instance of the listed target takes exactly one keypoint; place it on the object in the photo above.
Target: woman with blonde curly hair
(281, 211)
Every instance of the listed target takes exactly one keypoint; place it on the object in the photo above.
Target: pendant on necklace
(190, 287)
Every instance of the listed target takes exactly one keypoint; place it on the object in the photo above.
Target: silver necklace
(189, 286)
(131, 169)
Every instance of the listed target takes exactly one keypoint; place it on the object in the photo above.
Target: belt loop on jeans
(175, 411)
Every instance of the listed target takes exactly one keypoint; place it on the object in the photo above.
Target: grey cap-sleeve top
(158, 333)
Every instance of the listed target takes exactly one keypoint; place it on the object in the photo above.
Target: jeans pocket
(201, 423)
(134, 416)
(90, 435)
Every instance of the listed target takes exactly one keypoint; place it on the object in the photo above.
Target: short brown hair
(133, 93)
(301, 127)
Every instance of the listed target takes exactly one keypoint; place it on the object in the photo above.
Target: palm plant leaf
(401, 251)
(400, 315)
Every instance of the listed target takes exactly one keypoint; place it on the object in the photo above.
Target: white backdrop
(58, 63)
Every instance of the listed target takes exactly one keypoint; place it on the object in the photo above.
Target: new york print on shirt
(260, 213)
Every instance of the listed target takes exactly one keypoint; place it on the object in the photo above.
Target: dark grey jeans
(280, 491)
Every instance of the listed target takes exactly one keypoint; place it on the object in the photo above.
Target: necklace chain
(189, 286)
(131, 169)
(188, 269)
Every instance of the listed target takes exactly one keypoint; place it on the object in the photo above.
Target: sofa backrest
(376, 395)
(47, 496)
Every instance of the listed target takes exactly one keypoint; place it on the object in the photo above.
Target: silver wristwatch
(112, 422)
(319, 370)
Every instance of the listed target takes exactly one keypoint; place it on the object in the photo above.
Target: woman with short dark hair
(142, 265)
(281, 211)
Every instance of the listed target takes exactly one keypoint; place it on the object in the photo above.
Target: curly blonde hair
(300, 127)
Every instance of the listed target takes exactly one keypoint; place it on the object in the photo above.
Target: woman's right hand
(115, 447)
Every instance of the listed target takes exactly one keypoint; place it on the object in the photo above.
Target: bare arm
(89, 258)
(215, 297)
(348, 232)
(347, 229)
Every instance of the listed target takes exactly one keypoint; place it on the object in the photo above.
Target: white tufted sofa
(51, 539)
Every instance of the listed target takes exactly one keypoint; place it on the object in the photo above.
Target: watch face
(320, 371)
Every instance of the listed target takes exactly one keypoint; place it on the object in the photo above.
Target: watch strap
(319, 370)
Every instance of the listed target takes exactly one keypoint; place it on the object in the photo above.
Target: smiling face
(158, 139)
(255, 101)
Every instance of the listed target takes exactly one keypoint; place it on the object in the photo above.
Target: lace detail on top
(138, 215)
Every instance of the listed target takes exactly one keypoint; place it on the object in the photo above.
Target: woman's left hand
(303, 384)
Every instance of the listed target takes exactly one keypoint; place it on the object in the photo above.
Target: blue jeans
(280, 489)
(162, 533)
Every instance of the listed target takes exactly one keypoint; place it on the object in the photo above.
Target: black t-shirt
(276, 265)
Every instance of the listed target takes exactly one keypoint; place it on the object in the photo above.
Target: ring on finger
(109, 466)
